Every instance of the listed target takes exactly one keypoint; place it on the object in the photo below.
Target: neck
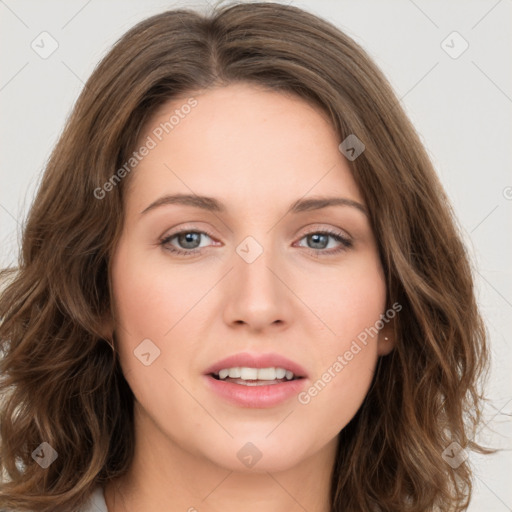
(165, 476)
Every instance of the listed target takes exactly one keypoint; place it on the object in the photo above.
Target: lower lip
(256, 396)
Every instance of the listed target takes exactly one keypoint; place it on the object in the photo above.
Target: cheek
(145, 309)
(151, 305)
(351, 305)
(351, 301)
(336, 394)
(150, 298)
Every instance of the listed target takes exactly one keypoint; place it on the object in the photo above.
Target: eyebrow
(214, 205)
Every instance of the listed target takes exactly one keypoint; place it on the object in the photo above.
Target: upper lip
(245, 359)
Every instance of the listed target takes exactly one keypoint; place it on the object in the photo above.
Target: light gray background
(460, 106)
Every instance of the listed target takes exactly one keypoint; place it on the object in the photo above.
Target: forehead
(243, 143)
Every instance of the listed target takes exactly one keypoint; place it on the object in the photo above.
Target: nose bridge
(254, 260)
(258, 297)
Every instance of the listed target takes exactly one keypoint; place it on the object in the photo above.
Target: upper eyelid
(168, 236)
(205, 231)
(312, 228)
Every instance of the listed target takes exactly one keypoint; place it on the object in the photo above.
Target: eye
(189, 242)
(319, 241)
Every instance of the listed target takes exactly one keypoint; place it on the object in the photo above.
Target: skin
(257, 152)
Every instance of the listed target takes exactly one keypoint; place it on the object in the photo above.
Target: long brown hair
(61, 382)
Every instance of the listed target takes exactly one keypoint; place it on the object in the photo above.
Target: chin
(258, 455)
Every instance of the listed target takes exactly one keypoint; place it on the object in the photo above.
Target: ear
(386, 339)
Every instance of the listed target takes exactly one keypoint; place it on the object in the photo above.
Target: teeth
(234, 373)
(280, 373)
(246, 373)
(267, 374)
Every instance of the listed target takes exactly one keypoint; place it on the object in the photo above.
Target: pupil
(323, 240)
(189, 238)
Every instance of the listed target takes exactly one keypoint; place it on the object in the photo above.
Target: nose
(257, 295)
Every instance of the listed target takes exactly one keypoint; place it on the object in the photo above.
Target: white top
(96, 502)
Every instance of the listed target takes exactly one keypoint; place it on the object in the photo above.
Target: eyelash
(346, 243)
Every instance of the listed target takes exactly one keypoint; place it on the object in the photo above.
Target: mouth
(256, 380)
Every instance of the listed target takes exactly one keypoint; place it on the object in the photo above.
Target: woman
(240, 285)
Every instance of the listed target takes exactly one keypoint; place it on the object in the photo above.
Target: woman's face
(261, 273)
